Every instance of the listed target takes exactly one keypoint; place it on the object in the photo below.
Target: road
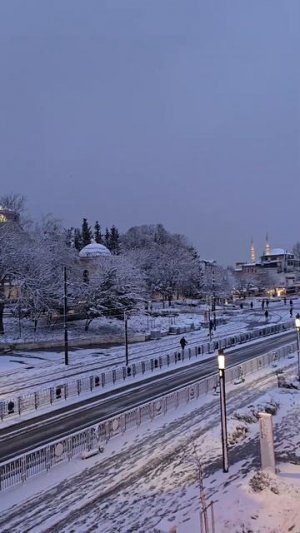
(29, 434)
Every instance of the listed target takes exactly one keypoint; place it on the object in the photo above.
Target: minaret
(252, 252)
(267, 250)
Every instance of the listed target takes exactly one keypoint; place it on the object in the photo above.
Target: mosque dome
(94, 249)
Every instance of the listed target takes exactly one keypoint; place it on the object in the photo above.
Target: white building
(90, 256)
(283, 266)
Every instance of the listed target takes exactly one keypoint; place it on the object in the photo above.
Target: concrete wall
(102, 340)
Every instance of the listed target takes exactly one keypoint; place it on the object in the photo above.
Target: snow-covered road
(143, 476)
(39, 369)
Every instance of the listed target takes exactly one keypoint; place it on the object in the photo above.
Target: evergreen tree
(86, 233)
(107, 238)
(114, 241)
(77, 239)
(97, 233)
(70, 237)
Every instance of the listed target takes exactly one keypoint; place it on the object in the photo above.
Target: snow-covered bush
(251, 414)
(262, 480)
(239, 434)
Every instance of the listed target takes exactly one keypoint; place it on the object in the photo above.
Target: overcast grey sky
(184, 113)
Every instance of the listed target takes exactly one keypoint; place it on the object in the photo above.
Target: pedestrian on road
(291, 311)
(263, 304)
(251, 305)
(266, 314)
(183, 342)
(267, 303)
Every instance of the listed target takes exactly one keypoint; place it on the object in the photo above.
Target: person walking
(183, 343)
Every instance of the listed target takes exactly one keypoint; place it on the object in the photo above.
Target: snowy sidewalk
(142, 477)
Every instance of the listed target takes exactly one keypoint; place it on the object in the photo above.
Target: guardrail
(42, 459)
(63, 390)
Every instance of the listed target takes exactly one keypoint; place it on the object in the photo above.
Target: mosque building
(283, 265)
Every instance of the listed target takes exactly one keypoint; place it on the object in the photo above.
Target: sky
(180, 112)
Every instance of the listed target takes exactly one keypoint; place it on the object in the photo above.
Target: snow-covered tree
(171, 266)
(116, 286)
(243, 280)
(40, 280)
(215, 280)
(13, 249)
(149, 236)
(267, 279)
(174, 272)
(296, 250)
(13, 202)
(77, 239)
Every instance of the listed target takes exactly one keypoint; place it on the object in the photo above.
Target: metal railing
(44, 458)
(68, 389)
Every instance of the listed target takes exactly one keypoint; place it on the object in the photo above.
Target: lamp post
(297, 324)
(221, 366)
(126, 337)
(66, 318)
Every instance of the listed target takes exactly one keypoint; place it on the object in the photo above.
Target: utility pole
(126, 337)
(66, 318)
(221, 365)
(297, 324)
(209, 326)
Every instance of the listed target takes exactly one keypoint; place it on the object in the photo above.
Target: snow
(94, 249)
(145, 478)
(105, 328)
(46, 369)
(278, 251)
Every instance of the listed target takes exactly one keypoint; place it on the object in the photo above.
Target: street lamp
(221, 366)
(126, 338)
(66, 342)
(297, 324)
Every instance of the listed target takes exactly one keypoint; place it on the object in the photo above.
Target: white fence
(26, 403)
(40, 460)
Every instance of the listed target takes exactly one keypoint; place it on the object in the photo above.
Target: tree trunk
(87, 324)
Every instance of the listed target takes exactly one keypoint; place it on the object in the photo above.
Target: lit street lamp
(297, 324)
(221, 366)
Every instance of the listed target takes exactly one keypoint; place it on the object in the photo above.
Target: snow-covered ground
(23, 373)
(148, 476)
(238, 321)
(141, 323)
